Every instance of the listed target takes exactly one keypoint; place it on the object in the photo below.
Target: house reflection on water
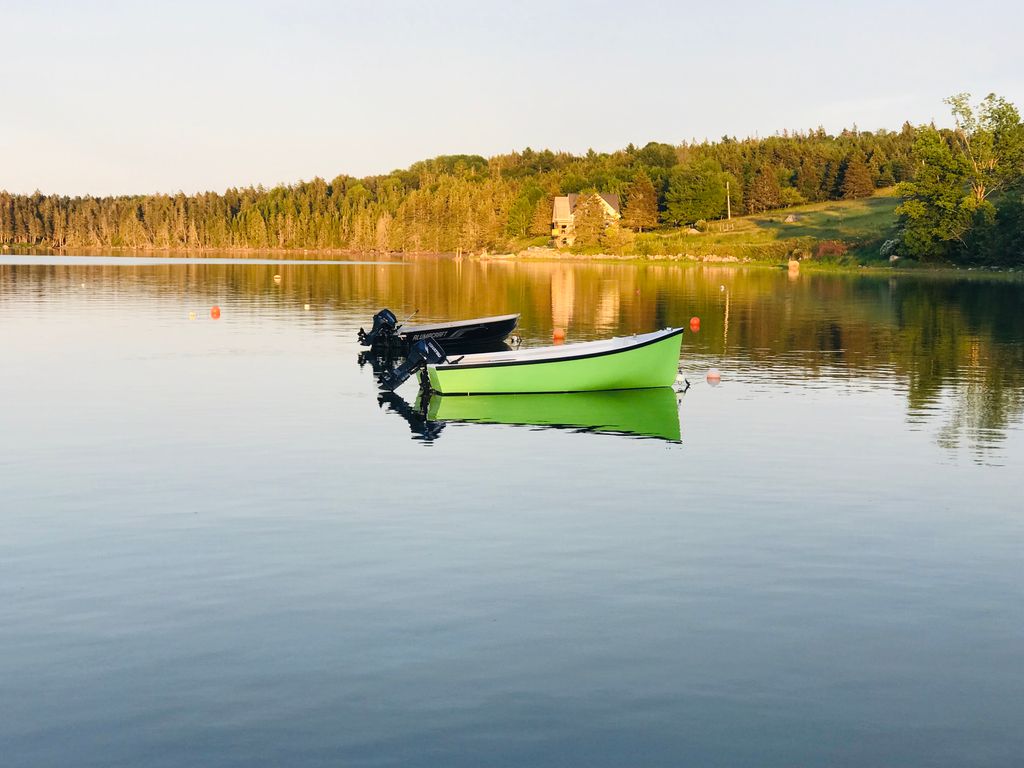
(563, 296)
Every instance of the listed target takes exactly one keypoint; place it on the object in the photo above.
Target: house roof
(565, 205)
(609, 197)
(612, 199)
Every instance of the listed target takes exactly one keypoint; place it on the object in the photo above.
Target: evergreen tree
(695, 192)
(735, 190)
(809, 177)
(857, 177)
(540, 224)
(589, 220)
(881, 169)
(829, 189)
(640, 211)
(764, 192)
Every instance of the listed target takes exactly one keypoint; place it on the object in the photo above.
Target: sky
(132, 97)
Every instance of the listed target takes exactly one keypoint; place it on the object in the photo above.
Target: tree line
(471, 203)
(468, 202)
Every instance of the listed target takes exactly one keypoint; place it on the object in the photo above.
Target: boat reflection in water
(638, 413)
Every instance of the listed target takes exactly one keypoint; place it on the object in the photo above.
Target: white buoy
(714, 378)
(307, 307)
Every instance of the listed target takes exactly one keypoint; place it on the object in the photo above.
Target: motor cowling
(421, 354)
(385, 324)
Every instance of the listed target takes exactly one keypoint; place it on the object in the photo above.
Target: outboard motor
(420, 355)
(384, 326)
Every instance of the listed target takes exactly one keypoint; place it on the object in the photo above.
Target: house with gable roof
(563, 221)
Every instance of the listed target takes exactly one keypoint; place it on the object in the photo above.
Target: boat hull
(652, 362)
(476, 333)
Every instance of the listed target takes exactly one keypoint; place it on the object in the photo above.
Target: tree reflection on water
(955, 345)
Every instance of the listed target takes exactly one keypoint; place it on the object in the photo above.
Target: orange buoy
(215, 312)
(558, 335)
(695, 324)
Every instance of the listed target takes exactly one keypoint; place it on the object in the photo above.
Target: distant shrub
(619, 239)
(830, 249)
(790, 196)
(701, 225)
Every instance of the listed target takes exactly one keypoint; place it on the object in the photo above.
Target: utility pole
(728, 202)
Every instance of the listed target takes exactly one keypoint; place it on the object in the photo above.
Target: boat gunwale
(666, 333)
(410, 329)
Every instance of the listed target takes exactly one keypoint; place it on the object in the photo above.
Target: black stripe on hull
(465, 334)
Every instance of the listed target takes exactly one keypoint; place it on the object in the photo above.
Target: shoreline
(528, 255)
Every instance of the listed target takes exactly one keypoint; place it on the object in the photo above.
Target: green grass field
(861, 226)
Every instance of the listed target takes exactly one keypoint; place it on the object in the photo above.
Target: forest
(962, 191)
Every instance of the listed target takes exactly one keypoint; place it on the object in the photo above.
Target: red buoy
(215, 312)
(695, 324)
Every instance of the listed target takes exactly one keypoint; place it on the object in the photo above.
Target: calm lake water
(219, 549)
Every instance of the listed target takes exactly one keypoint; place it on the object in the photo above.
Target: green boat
(637, 412)
(629, 362)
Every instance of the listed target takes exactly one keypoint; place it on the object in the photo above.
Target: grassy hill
(843, 231)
